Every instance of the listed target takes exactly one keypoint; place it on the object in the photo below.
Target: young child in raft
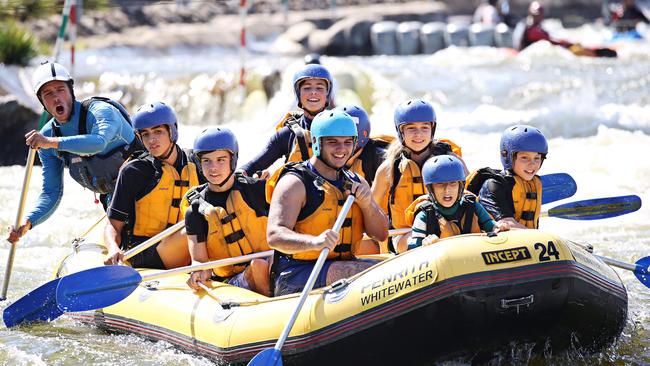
(445, 211)
(514, 195)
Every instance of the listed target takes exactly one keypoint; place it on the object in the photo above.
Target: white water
(596, 113)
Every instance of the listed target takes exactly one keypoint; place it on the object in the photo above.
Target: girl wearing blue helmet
(227, 216)
(398, 181)
(148, 193)
(313, 89)
(514, 195)
(445, 211)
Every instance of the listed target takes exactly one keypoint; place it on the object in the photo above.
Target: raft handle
(518, 302)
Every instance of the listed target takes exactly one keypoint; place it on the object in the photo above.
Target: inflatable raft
(462, 296)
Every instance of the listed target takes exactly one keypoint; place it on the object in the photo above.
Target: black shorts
(149, 258)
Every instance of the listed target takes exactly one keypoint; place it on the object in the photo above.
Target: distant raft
(463, 296)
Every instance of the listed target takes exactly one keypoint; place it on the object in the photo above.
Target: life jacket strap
(342, 248)
(528, 215)
(235, 237)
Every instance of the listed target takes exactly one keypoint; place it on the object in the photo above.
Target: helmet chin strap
(168, 153)
(225, 180)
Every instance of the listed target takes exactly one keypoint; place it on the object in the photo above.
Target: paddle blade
(38, 305)
(268, 357)
(595, 209)
(96, 288)
(642, 272)
(557, 186)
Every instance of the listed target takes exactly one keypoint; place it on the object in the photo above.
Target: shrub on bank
(17, 45)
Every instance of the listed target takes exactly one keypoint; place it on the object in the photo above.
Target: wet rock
(300, 32)
(13, 130)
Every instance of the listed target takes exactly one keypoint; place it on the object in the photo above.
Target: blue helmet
(521, 138)
(219, 138)
(414, 110)
(331, 123)
(363, 123)
(156, 114)
(443, 169)
(312, 71)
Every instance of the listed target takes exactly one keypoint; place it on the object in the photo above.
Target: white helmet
(47, 72)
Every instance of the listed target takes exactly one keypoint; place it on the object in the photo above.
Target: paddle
(273, 356)
(100, 287)
(19, 219)
(557, 186)
(592, 209)
(40, 304)
(595, 209)
(640, 268)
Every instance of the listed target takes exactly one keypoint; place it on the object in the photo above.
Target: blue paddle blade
(96, 288)
(268, 357)
(557, 186)
(598, 208)
(642, 271)
(38, 305)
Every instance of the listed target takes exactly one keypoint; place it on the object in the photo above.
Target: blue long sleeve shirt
(280, 144)
(107, 130)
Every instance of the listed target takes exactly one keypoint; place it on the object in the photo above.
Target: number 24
(547, 251)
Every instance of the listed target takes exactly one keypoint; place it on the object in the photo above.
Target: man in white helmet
(92, 138)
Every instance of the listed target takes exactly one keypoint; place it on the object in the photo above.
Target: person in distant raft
(446, 211)
(530, 31)
(398, 181)
(92, 138)
(370, 152)
(227, 216)
(149, 191)
(306, 198)
(313, 88)
(514, 195)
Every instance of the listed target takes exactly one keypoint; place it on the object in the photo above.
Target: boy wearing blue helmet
(312, 86)
(148, 193)
(514, 195)
(227, 216)
(445, 211)
(305, 200)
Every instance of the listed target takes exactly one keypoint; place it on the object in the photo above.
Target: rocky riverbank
(163, 24)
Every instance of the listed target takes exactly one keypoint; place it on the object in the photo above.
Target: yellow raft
(464, 295)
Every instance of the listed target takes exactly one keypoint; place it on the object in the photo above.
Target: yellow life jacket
(439, 225)
(454, 147)
(325, 215)
(526, 196)
(409, 187)
(160, 208)
(302, 142)
(527, 200)
(236, 230)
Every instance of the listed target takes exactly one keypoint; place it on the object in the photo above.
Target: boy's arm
(418, 230)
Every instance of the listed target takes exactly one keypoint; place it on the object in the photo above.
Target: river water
(595, 112)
